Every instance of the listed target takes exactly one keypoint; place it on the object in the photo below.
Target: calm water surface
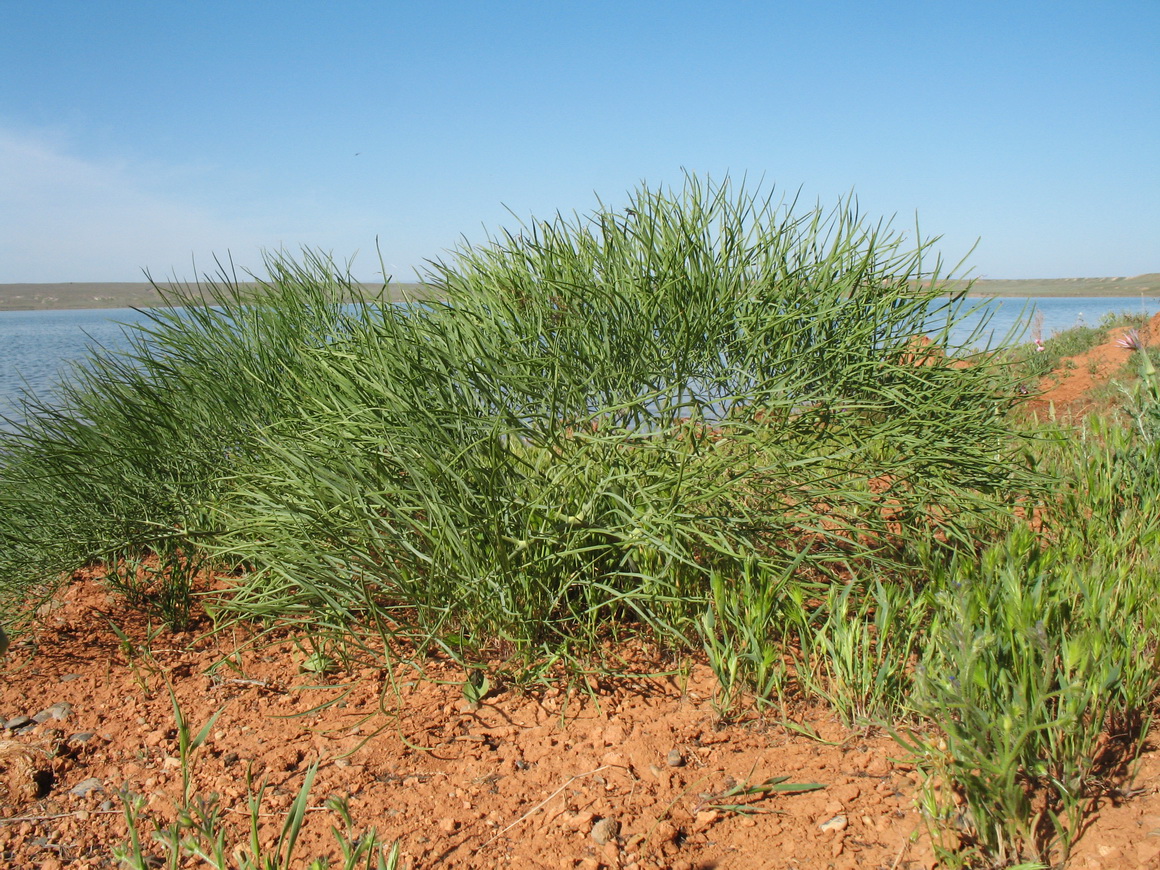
(36, 347)
(1049, 315)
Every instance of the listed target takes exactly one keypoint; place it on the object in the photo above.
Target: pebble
(18, 722)
(605, 831)
(665, 832)
(705, 819)
(674, 758)
(82, 788)
(845, 793)
(579, 821)
(58, 711)
(80, 738)
(837, 823)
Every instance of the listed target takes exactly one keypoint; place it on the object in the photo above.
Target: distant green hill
(35, 297)
(1141, 285)
(31, 297)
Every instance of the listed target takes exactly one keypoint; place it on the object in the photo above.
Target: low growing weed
(1032, 655)
(742, 632)
(859, 649)
(159, 583)
(201, 832)
(744, 798)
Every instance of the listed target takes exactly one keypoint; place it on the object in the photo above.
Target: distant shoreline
(67, 296)
(76, 295)
(1139, 285)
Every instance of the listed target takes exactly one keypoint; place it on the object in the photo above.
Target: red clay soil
(629, 773)
(622, 775)
(1069, 390)
(526, 780)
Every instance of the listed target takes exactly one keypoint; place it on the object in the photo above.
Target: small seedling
(200, 831)
(742, 798)
(317, 663)
(476, 687)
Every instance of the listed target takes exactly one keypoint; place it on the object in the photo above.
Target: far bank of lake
(106, 295)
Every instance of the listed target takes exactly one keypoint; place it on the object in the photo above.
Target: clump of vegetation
(704, 417)
(127, 457)
(597, 415)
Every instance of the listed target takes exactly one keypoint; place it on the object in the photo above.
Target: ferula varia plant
(601, 412)
(586, 419)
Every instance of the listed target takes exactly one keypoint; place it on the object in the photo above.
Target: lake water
(37, 346)
(1058, 314)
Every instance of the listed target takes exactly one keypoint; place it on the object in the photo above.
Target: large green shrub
(602, 411)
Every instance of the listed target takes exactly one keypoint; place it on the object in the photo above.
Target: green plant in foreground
(860, 657)
(587, 420)
(1033, 654)
(200, 831)
(1144, 402)
(602, 414)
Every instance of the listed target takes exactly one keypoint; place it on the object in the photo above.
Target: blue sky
(155, 135)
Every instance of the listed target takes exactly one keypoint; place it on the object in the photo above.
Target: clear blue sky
(154, 135)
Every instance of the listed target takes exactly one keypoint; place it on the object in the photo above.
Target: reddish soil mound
(631, 774)
(1070, 389)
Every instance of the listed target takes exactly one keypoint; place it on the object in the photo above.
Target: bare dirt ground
(631, 772)
(1075, 389)
(620, 774)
